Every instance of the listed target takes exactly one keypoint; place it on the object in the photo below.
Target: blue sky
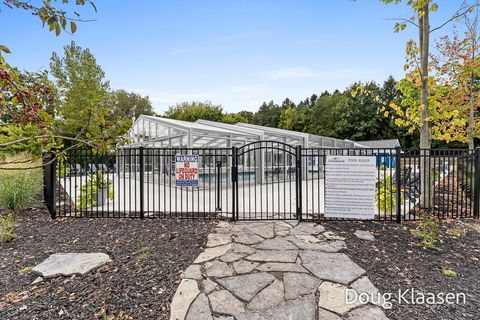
(237, 53)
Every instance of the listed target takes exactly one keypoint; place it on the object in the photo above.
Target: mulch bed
(397, 260)
(148, 258)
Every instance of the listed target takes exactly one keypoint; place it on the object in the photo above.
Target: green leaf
(73, 27)
(4, 49)
(57, 30)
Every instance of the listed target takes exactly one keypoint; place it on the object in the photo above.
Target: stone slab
(303, 308)
(241, 248)
(281, 267)
(269, 297)
(232, 256)
(244, 266)
(333, 297)
(297, 285)
(66, 264)
(367, 313)
(307, 228)
(327, 315)
(186, 293)
(218, 239)
(217, 269)
(364, 285)
(224, 302)
(247, 238)
(335, 267)
(212, 253)
(192, 272)
(200, 309)
(209, 286)
(276, 243)
(330, 235)
(274, 256)
(364, 235)
(247, 286)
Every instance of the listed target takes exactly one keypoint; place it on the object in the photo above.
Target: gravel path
(148, 259)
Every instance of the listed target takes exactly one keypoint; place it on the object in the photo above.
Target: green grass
(19, 188)
(456, 232)
(449, 273)
(25, 270)
(144, 253)
(7, 228)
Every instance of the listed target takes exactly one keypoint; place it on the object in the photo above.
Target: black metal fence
(261, 180)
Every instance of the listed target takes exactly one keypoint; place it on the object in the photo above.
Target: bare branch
(402, 19)
(10, 143)
(457, 15)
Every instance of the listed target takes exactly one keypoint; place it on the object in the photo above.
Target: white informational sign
(350, 187)
(186, 170)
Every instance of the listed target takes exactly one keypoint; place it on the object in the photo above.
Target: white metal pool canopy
(150, 131)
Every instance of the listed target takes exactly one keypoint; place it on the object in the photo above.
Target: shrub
(449, 272)
(429, 228)
(18, 190)
(94, 182)
(7, 227)
(385, 195)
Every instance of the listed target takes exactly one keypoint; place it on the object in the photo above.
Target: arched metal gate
(266, 178)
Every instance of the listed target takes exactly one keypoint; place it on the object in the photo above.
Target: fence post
(49, 183)
(234, 182)
(398, 183)
(476, 187)
(298, 189)
(142, 179)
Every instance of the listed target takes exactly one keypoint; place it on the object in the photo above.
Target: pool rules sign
(350, 187)
(186, 170)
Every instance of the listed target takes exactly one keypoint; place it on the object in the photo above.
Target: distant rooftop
(380, 144)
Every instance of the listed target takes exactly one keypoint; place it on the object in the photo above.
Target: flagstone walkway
(275, 270)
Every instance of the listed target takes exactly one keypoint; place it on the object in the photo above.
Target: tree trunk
(426, 181)
(471, 117)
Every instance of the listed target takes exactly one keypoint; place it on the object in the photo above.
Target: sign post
(186, 170)
(350, 187)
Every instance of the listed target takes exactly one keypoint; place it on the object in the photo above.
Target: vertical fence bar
(142, 178)
(476, 187)
(219, 186)
(398, 190)
(298, 158)
(234, 183)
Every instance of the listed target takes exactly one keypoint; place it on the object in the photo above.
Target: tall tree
(418, 58)
(232, 118)
(192, 111)
(358, 118)
(129, 105)
(84, 92)
(268, 115)
(457, 67)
